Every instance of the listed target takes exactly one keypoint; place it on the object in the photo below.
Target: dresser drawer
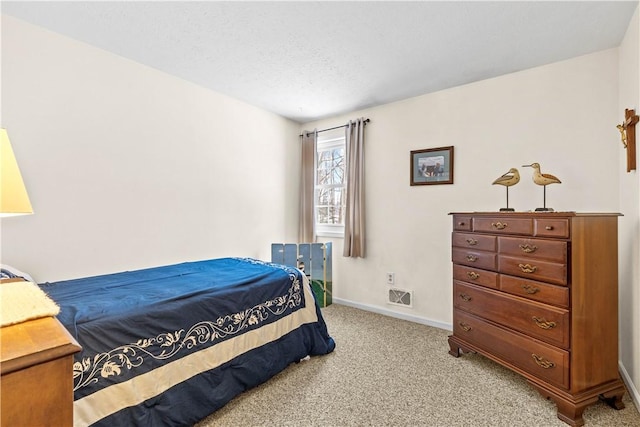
(472, 258)
(545, 322)
(542, 360)
(503, 225)
(551, 250)
(475, 275)
(481, 242)
(533, 269)
(537, 291)
(461, 223)
(549, 227)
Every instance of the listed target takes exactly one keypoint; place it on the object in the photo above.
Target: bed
(170, 345)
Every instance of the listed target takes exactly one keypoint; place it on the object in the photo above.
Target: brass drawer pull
(530, 289)
(542, 362)
(472, 258)
(472, 242)
(473, 275)
(465, 297)
(499, 225)
(542, 323)
(549, 227)
(527, 248)
(464, 326)
(526, 268)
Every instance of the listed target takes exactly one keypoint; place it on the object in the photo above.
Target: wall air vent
(400, 297)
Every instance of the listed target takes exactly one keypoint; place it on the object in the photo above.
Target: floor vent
(400, 297)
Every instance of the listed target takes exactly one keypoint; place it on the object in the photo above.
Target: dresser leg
(454, 348)
(570, 410)
(571, 414)
(613, 399)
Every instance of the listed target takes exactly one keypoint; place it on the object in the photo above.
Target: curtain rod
(336, 127)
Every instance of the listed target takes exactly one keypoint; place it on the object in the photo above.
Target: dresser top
(542, 214)
(32, 342)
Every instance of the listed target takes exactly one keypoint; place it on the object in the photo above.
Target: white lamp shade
(14, 199)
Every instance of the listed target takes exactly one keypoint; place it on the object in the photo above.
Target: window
(330, 187)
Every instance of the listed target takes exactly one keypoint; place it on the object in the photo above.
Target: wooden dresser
(538, 293)
(36, 362)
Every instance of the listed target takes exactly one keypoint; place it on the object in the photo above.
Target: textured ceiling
(310, 60)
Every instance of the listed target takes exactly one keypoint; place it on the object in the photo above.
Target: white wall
(128, 167)
(629, 247)
(561, 115)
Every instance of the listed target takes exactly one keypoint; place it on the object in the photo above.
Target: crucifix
(628, 135)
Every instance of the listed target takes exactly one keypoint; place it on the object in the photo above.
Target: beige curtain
(306, 233)
(354, 231)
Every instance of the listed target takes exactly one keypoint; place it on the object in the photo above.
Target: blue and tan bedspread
(169, 345)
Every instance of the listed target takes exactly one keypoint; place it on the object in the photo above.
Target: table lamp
(18, 301)
(14, 199)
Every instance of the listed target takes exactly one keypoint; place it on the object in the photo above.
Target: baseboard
(631, 388)
(397, 315)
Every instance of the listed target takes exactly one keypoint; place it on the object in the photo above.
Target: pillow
(8, 272)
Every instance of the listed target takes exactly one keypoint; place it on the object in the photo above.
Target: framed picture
(432, 166)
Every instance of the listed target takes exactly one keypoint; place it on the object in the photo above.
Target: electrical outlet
(391, 278)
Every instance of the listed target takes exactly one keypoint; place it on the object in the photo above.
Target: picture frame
(432, 166)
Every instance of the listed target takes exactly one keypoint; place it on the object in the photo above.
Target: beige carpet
(390, 372)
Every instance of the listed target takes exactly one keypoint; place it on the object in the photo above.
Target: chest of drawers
(538, 293)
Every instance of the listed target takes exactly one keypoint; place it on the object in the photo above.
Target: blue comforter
(169, 345)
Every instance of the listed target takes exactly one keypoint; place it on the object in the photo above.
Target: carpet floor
(390, 372)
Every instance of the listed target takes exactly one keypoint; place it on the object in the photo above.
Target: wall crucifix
(628, 135)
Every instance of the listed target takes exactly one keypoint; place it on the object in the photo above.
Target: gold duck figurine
(543, 179)
(508, 179)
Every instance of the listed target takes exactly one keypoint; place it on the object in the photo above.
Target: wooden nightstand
(36, 364)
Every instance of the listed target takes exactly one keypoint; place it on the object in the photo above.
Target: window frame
(323, 144)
